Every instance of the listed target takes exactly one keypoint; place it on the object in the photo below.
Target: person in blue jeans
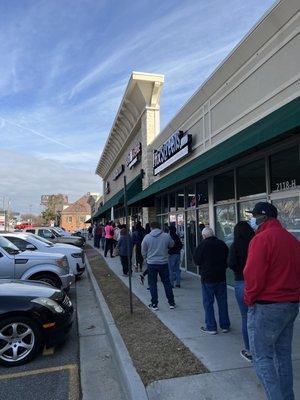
(155, 247)
(211, 256)
(243, 233)
(272, 293)
(174, 258)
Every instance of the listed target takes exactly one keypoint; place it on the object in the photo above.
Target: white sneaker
(153, 307)
(172, 306)
(204, 330)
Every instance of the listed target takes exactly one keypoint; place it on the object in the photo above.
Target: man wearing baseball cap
(272, 292)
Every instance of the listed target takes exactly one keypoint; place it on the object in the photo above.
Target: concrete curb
(130, 379)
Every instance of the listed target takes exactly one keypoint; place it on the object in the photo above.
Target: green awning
(133, 188)
(280, 121)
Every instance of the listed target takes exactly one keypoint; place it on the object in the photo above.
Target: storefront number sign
(118, 171)
(134, 157)
(288, 185)
(174, 149)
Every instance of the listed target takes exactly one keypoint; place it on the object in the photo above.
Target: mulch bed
(156, 352)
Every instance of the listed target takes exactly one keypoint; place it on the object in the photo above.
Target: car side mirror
(30, 247)
(1, 255)
(52, 236)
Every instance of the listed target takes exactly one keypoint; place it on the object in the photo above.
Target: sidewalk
(231, 376)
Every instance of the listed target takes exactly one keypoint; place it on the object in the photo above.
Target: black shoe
(246, 355)
(153, 307)
(177, 286)
(142, 278)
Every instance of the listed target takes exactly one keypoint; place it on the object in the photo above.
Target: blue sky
(64, 68)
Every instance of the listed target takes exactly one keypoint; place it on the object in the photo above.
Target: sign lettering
(134, 156)
(175, 148)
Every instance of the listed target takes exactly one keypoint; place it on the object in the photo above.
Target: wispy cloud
(34, 132)
(63, 74)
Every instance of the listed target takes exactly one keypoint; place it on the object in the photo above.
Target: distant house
(74, 216)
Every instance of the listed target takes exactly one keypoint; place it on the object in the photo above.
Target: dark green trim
(133, 188)
(282, 120)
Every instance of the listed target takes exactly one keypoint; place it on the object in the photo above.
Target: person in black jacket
(137, 238)
(174, 258)
(243, 233)
(211, 256)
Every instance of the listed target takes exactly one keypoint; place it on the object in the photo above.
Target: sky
(64, 68)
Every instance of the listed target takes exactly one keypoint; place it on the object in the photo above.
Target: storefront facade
(234, 143)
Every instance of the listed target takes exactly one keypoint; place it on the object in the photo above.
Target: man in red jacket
(272, 292)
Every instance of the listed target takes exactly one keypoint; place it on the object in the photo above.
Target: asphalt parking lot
(53, 375)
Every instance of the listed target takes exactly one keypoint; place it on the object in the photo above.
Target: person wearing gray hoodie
(155, 247)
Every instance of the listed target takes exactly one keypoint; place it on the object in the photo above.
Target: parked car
(34, 265)
(54, 237)
(32, 314)
(28, 241)
(61, 231)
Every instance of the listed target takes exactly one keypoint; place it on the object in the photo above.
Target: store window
(225, 222)
(203, 221)
(224, 186)
(190, 196)
(172, 202)
(246, 206)
(165, 203)
(285, 170)
(180, 199)
(202, 192)
(251, 178)
(289, 214)
(158, 205)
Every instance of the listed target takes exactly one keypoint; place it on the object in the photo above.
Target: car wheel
(47, 278)
(20, 340)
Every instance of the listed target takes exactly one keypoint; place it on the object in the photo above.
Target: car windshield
(8, 246)
(40, 239)
(55, 232)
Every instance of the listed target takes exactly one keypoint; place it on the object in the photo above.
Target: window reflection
(289, 214)
(225, 222)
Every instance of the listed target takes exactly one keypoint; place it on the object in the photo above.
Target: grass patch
(156, 352)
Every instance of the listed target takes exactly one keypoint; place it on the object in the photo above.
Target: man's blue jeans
(174, 268)
(163, 272)
(239, 294)
(210, 291)
(270, 330)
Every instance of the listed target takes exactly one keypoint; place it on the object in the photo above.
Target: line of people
(265, 259)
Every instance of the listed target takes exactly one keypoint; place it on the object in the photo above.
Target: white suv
(29, 241)
(50, 268)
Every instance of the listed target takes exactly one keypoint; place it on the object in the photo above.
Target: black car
(32, 314)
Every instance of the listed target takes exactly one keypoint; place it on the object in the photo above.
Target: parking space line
(48, 351)
(71, 368)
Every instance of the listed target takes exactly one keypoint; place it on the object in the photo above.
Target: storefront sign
(134, 157)
(107, 188)
(174, 149)
(288, 185)
(118, 171)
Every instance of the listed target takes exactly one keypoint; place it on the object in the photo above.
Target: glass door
(191, 240)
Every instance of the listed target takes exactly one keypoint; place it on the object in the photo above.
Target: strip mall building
(235, 142)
